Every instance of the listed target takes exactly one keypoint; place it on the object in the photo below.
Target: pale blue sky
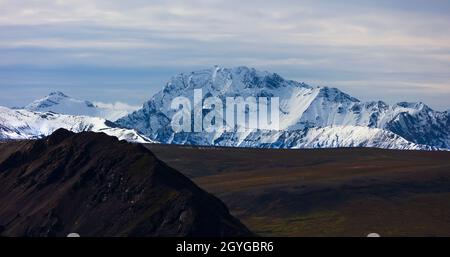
(126, 50)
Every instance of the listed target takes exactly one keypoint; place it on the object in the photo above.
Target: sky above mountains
(126, 50)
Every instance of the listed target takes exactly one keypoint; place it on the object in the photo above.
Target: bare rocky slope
(96, 185)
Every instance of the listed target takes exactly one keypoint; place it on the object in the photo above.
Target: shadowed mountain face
(95, 185)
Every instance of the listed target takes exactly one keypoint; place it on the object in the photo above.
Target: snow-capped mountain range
(310, 117)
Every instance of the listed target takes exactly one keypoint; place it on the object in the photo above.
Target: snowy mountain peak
(419, 106)
(58, 94)
(336, 95)
(235, 80)
(61, 103)
(302, 108)
(58, 102)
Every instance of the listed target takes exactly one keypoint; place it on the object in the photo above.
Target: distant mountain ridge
(23, 124)
(307, 114)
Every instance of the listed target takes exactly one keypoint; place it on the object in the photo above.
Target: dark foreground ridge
(94, 185)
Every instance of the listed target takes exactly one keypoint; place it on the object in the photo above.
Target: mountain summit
(58, 102)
